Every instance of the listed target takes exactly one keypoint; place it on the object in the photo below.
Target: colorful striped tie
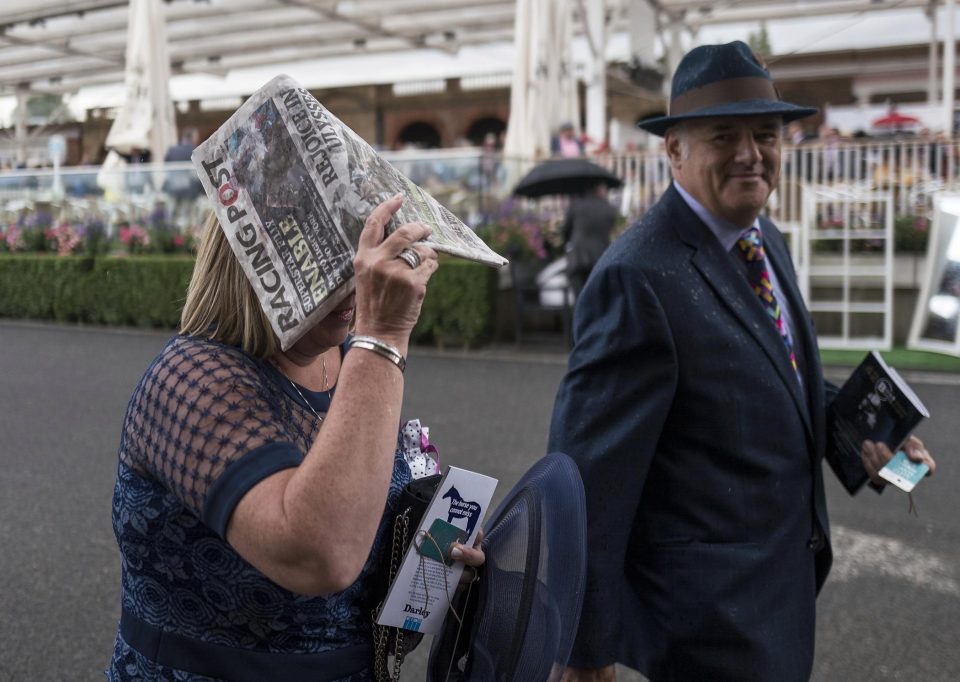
(750, 246)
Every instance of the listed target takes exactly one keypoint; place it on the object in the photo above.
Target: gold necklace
(323, 365)
(304, 399)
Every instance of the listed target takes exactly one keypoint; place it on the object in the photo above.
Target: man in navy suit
(694, 406)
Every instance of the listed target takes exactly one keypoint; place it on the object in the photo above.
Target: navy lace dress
(192, 608)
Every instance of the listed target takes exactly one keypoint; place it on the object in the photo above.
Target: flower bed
(68, 230)
(525, 233)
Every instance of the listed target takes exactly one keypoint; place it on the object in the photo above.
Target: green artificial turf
(899, 358)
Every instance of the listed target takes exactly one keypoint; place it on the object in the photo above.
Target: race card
(435, 544)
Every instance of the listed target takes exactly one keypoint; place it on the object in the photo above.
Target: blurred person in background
(183, 149)
(586, 233)
(182, 185)
(565, 142)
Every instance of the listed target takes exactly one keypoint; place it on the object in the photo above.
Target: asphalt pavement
(890, 610)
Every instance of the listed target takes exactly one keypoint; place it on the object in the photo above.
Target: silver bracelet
(381, 348)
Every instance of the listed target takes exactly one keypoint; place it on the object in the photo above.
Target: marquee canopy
(64, 45)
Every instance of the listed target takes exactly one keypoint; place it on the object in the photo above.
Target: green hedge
(141, 291)
(459, 307)
(148, 291)
(910, 233)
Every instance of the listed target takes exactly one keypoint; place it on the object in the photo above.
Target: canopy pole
(932, 95)
(642, 27)
(949, 67)
(20, 129)
(674, 55)
(596, 95)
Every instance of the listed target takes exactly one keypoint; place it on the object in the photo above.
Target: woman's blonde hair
(221, 303)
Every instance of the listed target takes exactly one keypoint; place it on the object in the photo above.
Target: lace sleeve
(200, 408)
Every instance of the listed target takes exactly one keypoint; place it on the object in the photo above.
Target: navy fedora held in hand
(722, 80)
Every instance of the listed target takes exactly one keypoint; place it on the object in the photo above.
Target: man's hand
(876, 455)
(607, 674)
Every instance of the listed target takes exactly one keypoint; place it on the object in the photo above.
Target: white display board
(935, 319)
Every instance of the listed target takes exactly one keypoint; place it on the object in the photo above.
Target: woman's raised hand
(390, 291)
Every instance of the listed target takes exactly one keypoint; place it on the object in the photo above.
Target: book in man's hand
(874, 404)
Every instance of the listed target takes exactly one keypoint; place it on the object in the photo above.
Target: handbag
(389, 641)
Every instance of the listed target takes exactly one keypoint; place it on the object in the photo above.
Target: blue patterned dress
(205, 424)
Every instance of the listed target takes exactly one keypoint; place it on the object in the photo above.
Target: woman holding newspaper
(254, 484)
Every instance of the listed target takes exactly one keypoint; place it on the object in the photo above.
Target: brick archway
(420, 134)
(483, 126)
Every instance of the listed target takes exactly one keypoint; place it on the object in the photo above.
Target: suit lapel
(716, 267)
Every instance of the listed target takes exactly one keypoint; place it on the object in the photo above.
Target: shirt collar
(726, 232)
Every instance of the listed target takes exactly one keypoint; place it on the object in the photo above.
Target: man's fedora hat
(722, 80)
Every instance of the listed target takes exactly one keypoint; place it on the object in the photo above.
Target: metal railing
(912, 169)
(472, 184)
(465, 181)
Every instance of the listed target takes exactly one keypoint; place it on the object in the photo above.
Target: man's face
(730, 165)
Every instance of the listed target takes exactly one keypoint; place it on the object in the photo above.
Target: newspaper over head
(292, 186)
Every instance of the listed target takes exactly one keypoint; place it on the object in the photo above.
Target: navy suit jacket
(701, 457)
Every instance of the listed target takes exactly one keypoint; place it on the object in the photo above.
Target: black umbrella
(564, 176)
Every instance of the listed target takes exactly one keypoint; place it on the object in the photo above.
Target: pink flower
(14, 239)
(66, 237)
(134, 238)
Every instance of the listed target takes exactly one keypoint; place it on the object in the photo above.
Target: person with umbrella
(590, 217)
(586, 233)
(695, 407)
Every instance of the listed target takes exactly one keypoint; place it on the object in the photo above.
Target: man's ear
(671, 142)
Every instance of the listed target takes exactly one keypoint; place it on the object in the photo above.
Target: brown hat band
(723, 92)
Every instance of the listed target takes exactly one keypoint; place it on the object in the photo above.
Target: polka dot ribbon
(423, 458)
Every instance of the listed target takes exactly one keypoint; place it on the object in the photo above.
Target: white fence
(469, 182)
(912, 169)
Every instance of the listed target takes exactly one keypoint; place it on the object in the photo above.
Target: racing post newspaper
(292, 186)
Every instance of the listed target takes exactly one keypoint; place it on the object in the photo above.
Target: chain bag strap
(384, 636)
(390, 641)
